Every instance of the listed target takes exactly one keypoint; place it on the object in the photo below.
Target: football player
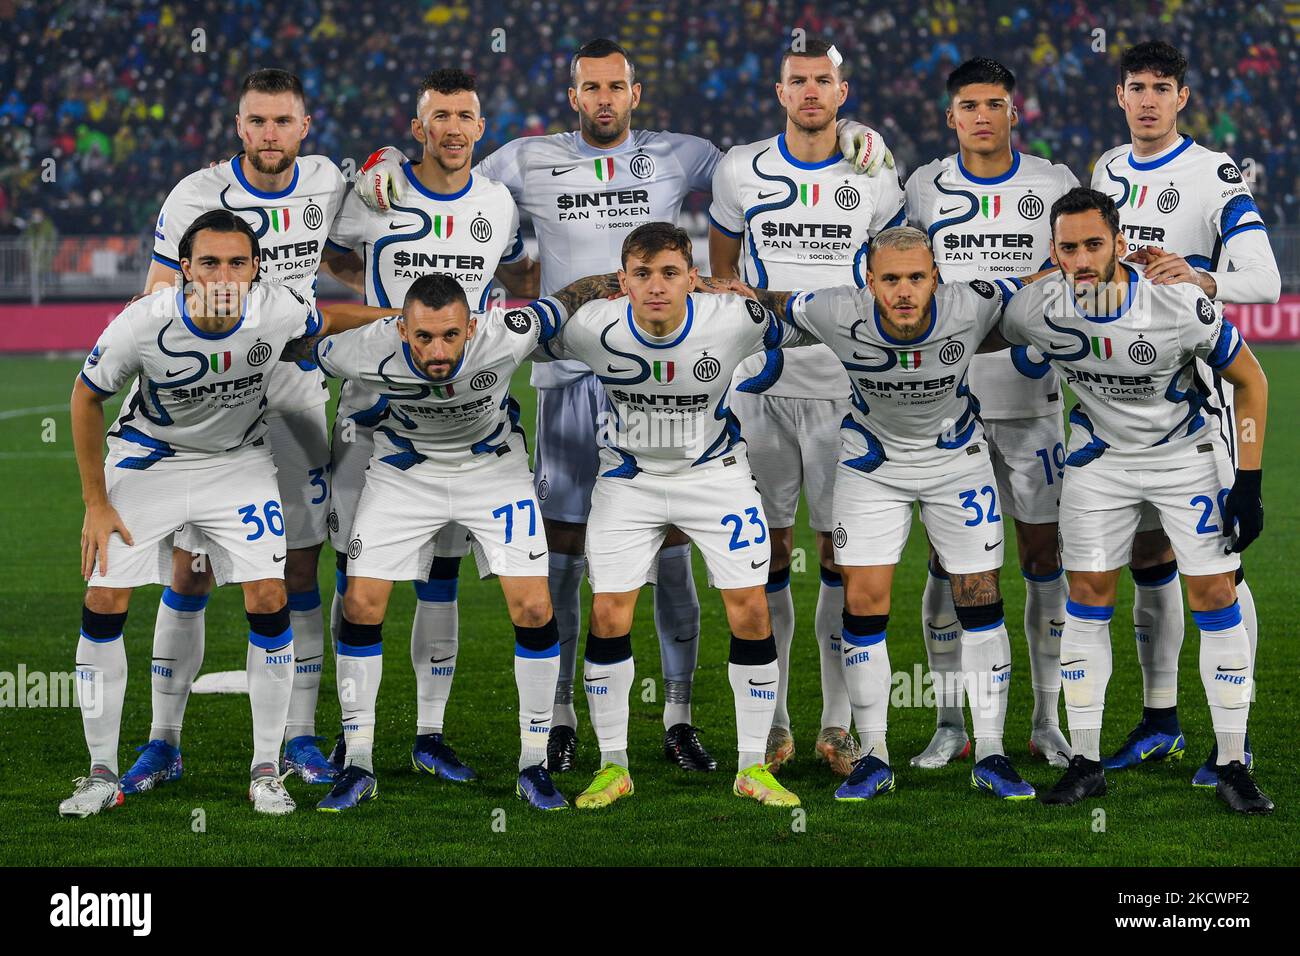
(791, 213)
(1145, 441)
(189, 447)
(1189, 213)
(984, 208)
(290, 201)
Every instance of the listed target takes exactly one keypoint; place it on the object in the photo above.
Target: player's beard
(809, 128)
(593, 132)
(1099, 297)
(287, 158)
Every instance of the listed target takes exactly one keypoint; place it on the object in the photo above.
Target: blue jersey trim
(236, 163)
(169, 263)
(429, 193)
(211, 336)
(334, 245)
(366, 650)
(190, 602)
(1090, 612)
(529, 653)
(1157, 163)
(1219, 620)
(723, 229)
(862, 640)
(798, 164)
(95, 388)
(934, 322)
(990, 180)
(685, 330)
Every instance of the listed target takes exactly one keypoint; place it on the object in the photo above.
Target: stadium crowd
(130, 97)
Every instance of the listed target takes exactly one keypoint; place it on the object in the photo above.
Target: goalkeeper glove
(863, 147)
(1243, 508)
(380, 182)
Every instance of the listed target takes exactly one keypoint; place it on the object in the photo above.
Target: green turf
(1151, 816)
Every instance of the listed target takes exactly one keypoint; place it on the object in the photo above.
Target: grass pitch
(1151, 816)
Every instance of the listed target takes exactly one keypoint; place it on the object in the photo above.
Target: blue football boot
(870, 777)
(1150, 741)
(353, 786)
(432, 755)
(995, 775)
(535, 787)
(302, 756)
(159, 762)
(1207, 775)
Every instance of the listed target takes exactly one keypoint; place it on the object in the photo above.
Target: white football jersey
(1195, 202)
(466, 234)
(913, 413)
(1142, 402)
(291, 226)
(801, 226)
(446, 426)
(196, 394)
(584, 201)
(669, 396)
(987, 228)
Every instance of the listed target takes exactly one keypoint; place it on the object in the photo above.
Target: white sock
(780, 605)
(308, 625)
(986, 672)
(943, 650)
(867, 677)
(829, 621)
(434, 642)
(269, 663)
(1044, 625)
(607, 694)
(177, 656)
(535, 672)
(565, 580)
(360, 670)
(336, 610)
(753, 672)
(677, 622)
(101, 688)
(1228, 675)
(1158, 628)
(1250, 619)
(1085, 672)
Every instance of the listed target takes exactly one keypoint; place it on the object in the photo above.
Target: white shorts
(719, 509)
(348, 477)
(231, 509)
(960, 510)
(1028, 461)
(401, 513)
(1101, 509)
(566, 462)
(794, 444)
(300, 449)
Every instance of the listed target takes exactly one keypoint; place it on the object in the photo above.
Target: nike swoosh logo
(1077, 660)
(757, 564)
(685, 640)
(1225, 670)
(174, 658)
(1054, 345)
(756, 683)
(399, 225)
(439, 660)
(1057, 623)
(278, 558)
(769, 195)
(171, 374)
(990, 547)
(304, 660)
(594, 679)
(1147, 753)
(561, 172)
(865, 358)
(944, 212)
(1000, 667)
(532, 720)
(617, 371)
(534, 557)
